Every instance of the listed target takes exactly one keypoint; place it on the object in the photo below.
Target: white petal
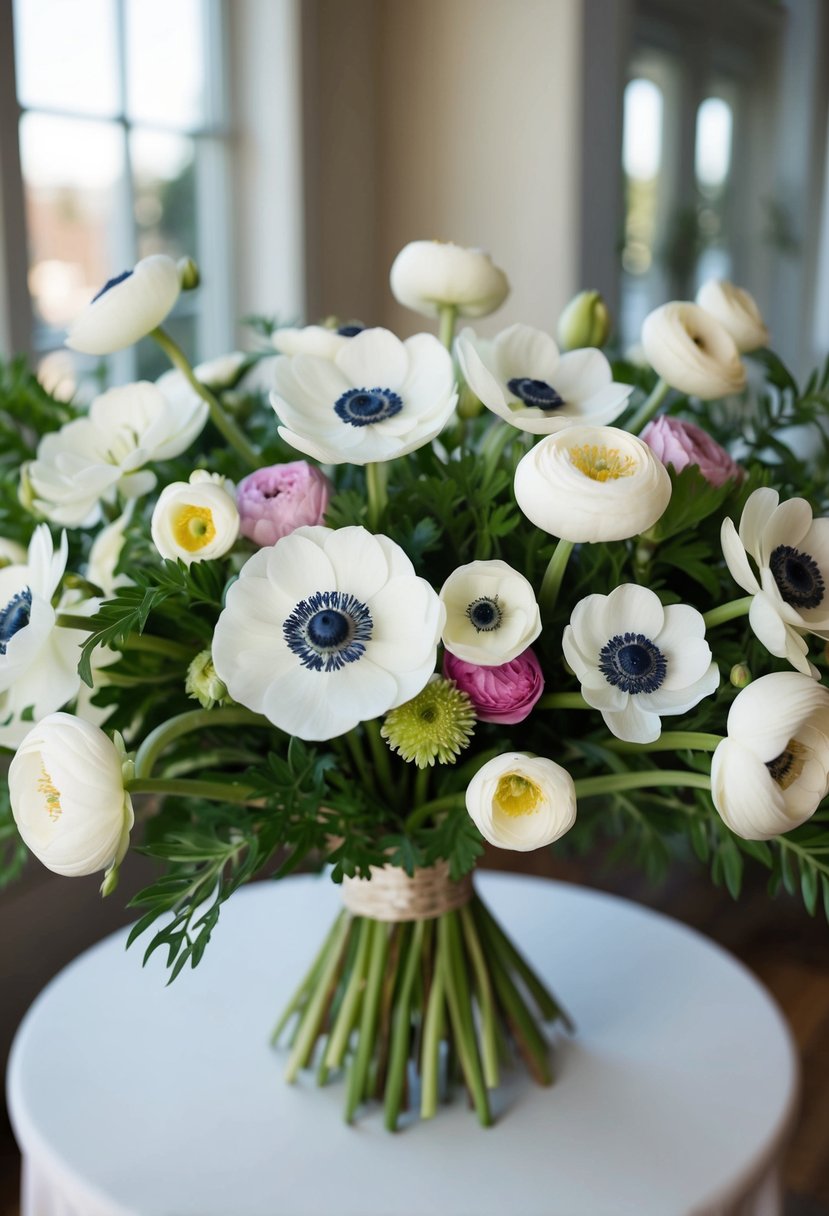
(735, 557)
(522, 351)
(687, 663)
(634, 609)
(480, 378)
(787, 525)
(748, 800)
(374, 358)
(756, 514)
(359, 563)
(581, 373)
(633, 724)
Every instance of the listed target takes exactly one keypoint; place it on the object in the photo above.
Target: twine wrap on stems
(391, 895)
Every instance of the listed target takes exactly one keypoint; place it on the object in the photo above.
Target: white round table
(675, 1098)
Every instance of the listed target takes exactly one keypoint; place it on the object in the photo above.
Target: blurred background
(293, 146)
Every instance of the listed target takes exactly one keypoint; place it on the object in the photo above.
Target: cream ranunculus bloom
(68, 798)
(491, 613)
(772, 771)
(196, 520)
(428, 276)
(737, 310)
(591, 483)
(692, 351)
(522, 802)
(127, 308)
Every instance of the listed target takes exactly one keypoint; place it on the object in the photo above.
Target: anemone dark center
(365, 406)
(328, 630)
(537, 393)
(632, 662)
(485, 613)
(787, 767)
(15, 616)
(119, 278)
(350, 331)
(798, 577)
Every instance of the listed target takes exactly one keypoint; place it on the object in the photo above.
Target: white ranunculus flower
(518, 801)
(772, 771)
(791, 552)
(591, 483)
(325, 629)
(378, 398)
(427, 276)
(68, 798)
(127, 308)
(311, 340)
(692, 351)
(736, 309)
(491, 613)
(196, 520)
(11, 553)
(523, 379)
(637, 660)
(94, 459)
(38, 658)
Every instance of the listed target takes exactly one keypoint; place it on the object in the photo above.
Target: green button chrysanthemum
(437, 724)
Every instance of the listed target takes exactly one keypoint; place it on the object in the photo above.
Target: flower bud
(279, 498)
(188, 273)
(505, 694)
(128, 307)
(203, 684)
(428, 276)
(469, 405)
(680, 444)
(584, 322)
(740, 675)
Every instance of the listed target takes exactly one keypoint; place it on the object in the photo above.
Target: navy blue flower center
(364, 406)
(798, 577)
(350, 331)
(15, 616)
(630, 661)
(119, 278)
(485, 613)
(328, 630)
(536, 393)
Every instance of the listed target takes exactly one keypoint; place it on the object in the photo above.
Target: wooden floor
(775, 939)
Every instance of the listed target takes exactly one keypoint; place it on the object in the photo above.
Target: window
(123, 139)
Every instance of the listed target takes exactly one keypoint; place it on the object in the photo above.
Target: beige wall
(453, 119)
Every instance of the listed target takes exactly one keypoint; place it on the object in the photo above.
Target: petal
(635, 609)
(756, 514)
(522, 351)
(298, 566)
(359, 563)
(748, 800)
(778, 638)
(634, 724)
(480, 378)
(680, 700)
(736, 559)
(687, 663)
(787, 525)
(374, 358)
(430, 379)
(318, 705)
(581, 373)
(681, 622)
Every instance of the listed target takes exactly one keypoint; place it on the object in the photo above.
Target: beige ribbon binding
(391, 895)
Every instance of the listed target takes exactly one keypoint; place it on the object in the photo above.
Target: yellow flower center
(787, 767)
(600, 463)
(46, 787)
(194, 528)
(516, 795)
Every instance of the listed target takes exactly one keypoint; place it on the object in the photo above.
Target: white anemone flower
(491, 613)
(196, 520)
(772, 771)
(313, 339)
(97, 458)
(737, 310)
(637, 660)
(428, 276)
(68, 798)
(378, 398)
(521, 802)
(523, 379)
(38, 658)
(127, 307)
(591, 483)
(325, 629)
(692, 351)
(791, 552)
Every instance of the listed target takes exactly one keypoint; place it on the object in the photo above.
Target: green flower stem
(315, 1009)
(421, 786)
(377, 498)
(115, 679)
(448, 315)
(402, 1029)
(380, 754)
(548, 1007)
(358, 1072)
(563, 700)
(494, 442)
(649, 407)
(350, 1006)
(588, 787)
(222, 421)
(433, 1030)
(551, 584)
(486, 1002)
(300, 995)
(216, 791)
(183, 724)
(215, 757)
(532, 1044)
(355, 747)
(728, 612)
(669, 741)
(449, 802)
(460, 1015)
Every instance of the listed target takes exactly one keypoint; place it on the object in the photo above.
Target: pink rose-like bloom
(681, 443)
(504, 694)
(275, 500)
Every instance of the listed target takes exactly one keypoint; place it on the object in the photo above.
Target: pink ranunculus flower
(682, 443)
(504, 694)
(276, 500)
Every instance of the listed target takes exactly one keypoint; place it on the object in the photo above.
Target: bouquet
(364, 603)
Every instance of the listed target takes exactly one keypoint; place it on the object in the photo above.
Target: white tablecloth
(674, 1099)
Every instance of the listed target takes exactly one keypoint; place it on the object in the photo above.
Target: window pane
(72, 174)
(65, 55)
(713, 145)
(641, 159)
(166, 64)
(163, 169)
